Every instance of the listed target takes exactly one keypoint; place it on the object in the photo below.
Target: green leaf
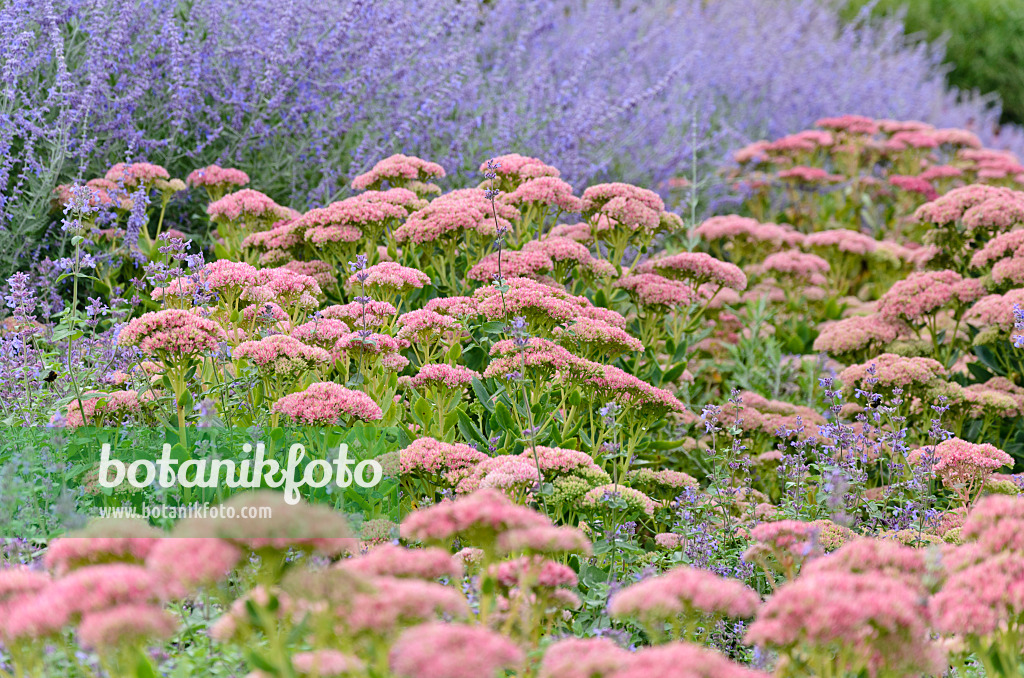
(469, 429)
(493, 327)
(482, 395)
(421, 409)
(504, 417)
(143, 666)
(454, 353)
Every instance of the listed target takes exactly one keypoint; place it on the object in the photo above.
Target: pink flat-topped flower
(449, 376)
(540, 355)
(582, 658)
(425, 326)
(547, 190)
(397, 170)
(852, 124)
(456, 307)
(914, 184)
(626, 205)
(547, 540)
(814, 614)
(132, 174)
(856, 333)
(215, 176)
(888, 370)
(560, 249)
(362, 316)
(454, 214)
(433, 457)
(597, 336)
(800, 266)
(684, 591)
(651, 289)
(697, 268)
(843, 240)
(512, 263)
(125, 626)
(923, 293)
(485, 512)
(509, 473)
(282, 355)
(396, 561)
(964, 466)
(402, 197)
(389, 276)
(247, 204)
(894, 126)
(327, 403)
(810, 175)
(1003, 245)
(325, 332)
(326, 663)
(952, 206)
(107, 409)
(681, 660)
(173, 332)
(732, 226)
(357, 212)
(520, 167)
(883, 557)
(439, 650)
(536, 301)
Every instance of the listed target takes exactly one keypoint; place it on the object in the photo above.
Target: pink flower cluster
(547, 190)
(923, 293)
(131, 175)
(485, 512)
(509, 473)
(977, 206)
(108, 409)
(680, 660)
(733, 226)
(453, 377)
(521, 167)
(281, 354)
(628, 206)
(171, 333)
(433, 457)
(857, 333)
(456, 307)
(889, 370)
(697, 268)
(326, 404)
(391, 277)
(1003, 245)
(215, 176)
(810, 175)
(536, 301)
(806, 268)
(651, 289)
(842, 239)
(525, 263)
(964, 465)
(397, 561)
(684, 591)
(439, 650)
(598, 336)
(877, 621)
(247, 204)
(456, 213)
(397, 170)
(914, 184)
